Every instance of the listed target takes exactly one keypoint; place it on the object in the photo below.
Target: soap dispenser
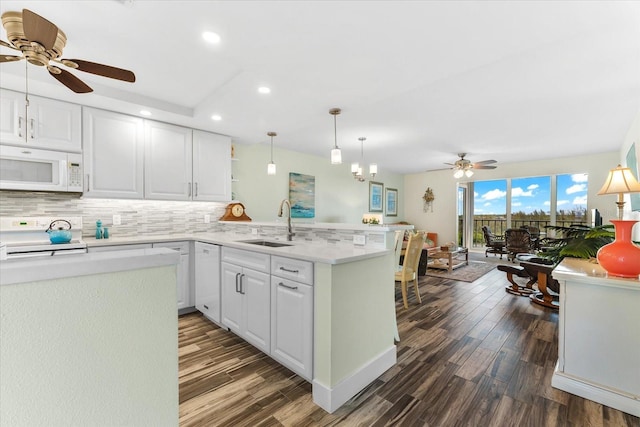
(98, 229)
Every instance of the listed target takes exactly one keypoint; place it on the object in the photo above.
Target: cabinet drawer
(182, 247)
(294, 269)
(253, 260)
(120, 247)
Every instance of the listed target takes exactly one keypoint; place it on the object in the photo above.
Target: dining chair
(398, 249)
(409, 271)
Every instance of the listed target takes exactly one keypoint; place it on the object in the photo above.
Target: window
(571, 199)
(531, 201)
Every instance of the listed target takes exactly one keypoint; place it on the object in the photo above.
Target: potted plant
(576, 241)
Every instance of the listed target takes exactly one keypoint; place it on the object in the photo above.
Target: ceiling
(421, 80)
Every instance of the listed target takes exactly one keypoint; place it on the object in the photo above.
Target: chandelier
(356, 168)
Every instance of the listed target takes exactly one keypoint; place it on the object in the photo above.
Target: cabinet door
(183, 282)
(207, 280)
(211, 166)
(292, 325)
(113, 155)
(231, 298)
(12, 119)
(256, 290)
(47, 123)
(167, 162)
(55, 124)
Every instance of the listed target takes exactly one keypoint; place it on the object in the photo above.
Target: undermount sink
(265, 243)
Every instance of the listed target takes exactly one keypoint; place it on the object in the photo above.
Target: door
(257, 308)
(167, 162)
(211, 166)
(113, 155)
(207, 272)
(292, 325)
(464, 234)
(231, 298)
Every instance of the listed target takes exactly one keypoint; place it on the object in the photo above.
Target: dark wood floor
(470, 355)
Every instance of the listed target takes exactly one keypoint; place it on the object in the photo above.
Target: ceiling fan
(465, 167)
(41, 43)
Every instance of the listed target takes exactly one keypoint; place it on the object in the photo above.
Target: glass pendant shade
(468, 173)
(373, 168)
(271, 168)
(336, 156)
(355, 167)
(458, 173)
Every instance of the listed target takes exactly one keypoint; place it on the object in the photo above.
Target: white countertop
(325, 225)
(23, 270)
(322, 252)
(582, 270)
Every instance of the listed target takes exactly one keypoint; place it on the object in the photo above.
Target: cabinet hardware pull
(241, 291)
(31, 126)
(206, 251)
(88, 181)
(287, 286)
(20, 126)
(289, 271)
(196, 195)
(237, 276)
(189, 189)
(205, 306)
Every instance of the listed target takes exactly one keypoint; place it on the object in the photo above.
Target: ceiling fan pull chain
(26, 100)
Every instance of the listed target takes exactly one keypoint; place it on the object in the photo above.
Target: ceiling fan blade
(477, 166)
(9, 45)
(38, 29)
(70, 81)
(485, 162)
(10, 58)
(101, 70)
(452, 164)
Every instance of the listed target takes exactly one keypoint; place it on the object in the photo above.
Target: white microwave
(24, 168)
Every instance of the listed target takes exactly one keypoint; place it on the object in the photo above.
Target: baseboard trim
(331, 399)
(605, 396)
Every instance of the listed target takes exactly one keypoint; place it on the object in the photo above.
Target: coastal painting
(302, 195)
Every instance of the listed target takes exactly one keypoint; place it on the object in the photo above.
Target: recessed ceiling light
(211, 37)
(264, 89)
(216, 117)
(145, 112)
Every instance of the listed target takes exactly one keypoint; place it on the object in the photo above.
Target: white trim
(597, 393)
(331, 398)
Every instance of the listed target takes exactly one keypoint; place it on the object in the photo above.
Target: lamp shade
(620, 180)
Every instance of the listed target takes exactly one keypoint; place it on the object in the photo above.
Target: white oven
(24, 168)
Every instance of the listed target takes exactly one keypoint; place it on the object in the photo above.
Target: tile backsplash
(138, 216)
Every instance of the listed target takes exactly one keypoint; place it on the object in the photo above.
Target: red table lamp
(621, 257)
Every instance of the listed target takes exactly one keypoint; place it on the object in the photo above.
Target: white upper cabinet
(47, 123)
(211, 166)
(168, 172)
(113, 154)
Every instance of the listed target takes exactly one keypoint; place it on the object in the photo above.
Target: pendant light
(336, 154)
(271, 167)
(356, 168)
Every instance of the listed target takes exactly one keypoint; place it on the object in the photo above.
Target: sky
(529, 194)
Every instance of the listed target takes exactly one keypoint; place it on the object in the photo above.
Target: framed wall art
(632, 163)
(302, 195)
(391, 201)
(375, 196)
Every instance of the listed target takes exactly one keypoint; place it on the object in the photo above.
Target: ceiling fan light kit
(41, 43)
(464, 167)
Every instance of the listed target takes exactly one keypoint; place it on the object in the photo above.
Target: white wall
(443, 219)
(339, 197)
(632, 136)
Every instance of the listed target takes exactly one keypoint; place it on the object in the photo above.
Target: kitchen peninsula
(353, 315)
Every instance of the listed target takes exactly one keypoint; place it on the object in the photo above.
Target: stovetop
(29, 234)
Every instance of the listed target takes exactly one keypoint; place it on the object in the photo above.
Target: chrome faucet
(290, 232)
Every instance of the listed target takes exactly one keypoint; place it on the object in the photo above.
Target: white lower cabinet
(246, 296)
(292, 314)
(207, 280)
(183, 280)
